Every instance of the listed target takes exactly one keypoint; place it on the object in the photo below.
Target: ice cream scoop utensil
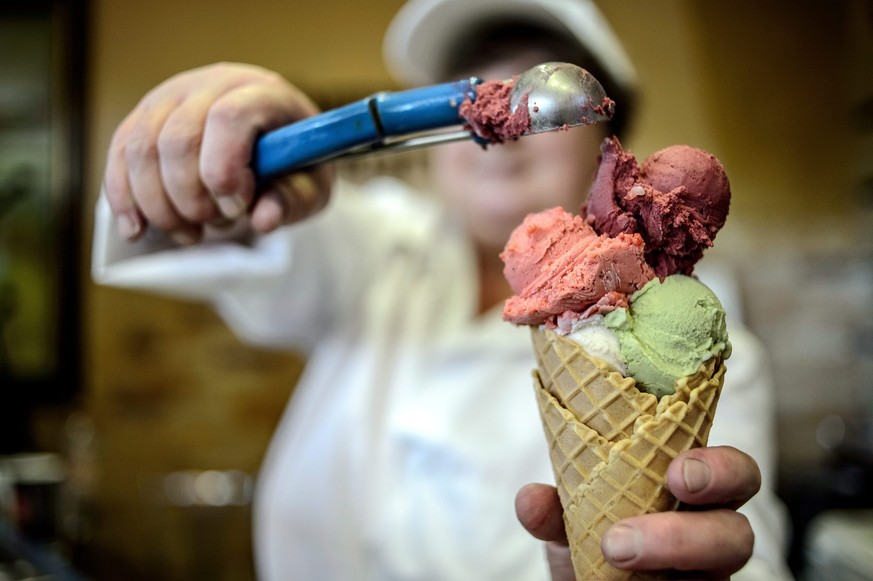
(360, 126)
(557, 95)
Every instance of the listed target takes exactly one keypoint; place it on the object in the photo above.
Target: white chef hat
(421, 35)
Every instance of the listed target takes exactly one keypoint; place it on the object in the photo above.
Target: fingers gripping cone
(610, 444)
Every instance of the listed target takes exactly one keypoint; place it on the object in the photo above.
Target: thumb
(292, 199)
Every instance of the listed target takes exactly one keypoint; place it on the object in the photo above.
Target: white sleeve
(155, 263)
(281, 289)
(745, 420)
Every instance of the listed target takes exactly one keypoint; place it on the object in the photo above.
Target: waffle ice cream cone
(618, 277)
(610, 444)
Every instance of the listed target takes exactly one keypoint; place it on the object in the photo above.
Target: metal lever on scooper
(558, 95)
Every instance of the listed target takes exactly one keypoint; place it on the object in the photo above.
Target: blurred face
(491, 190)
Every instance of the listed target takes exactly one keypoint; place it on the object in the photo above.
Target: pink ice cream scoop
(547, 97)
(677, 201)
(490, 115)
(555, 262)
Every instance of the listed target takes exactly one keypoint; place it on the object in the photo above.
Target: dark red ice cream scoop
(677, 201)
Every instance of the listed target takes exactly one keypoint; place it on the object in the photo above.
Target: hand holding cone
(617, 469)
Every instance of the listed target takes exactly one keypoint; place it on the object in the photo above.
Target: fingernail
(184, 237)
(128, 227)
(231, 207)
(696, 475)
(622, 543)
(304, 184)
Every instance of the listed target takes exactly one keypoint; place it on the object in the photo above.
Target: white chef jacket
(414, 424)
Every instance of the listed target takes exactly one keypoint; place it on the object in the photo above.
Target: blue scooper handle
(364, 123)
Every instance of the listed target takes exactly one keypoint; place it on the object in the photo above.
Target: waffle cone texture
(610, 444)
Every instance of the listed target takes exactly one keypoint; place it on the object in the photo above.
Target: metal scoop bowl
(561, 95)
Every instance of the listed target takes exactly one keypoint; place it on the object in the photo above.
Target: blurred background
(132, 427)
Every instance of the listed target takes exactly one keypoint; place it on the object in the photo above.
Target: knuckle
(220, 177)
(140, 148)
(198, 209)
(272, 77)
(225, 112)
(672, 533)
(179, 141)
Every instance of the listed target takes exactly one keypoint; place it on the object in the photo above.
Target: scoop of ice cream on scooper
(547, 97)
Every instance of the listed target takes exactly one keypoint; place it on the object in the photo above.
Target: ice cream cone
(610, 444)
